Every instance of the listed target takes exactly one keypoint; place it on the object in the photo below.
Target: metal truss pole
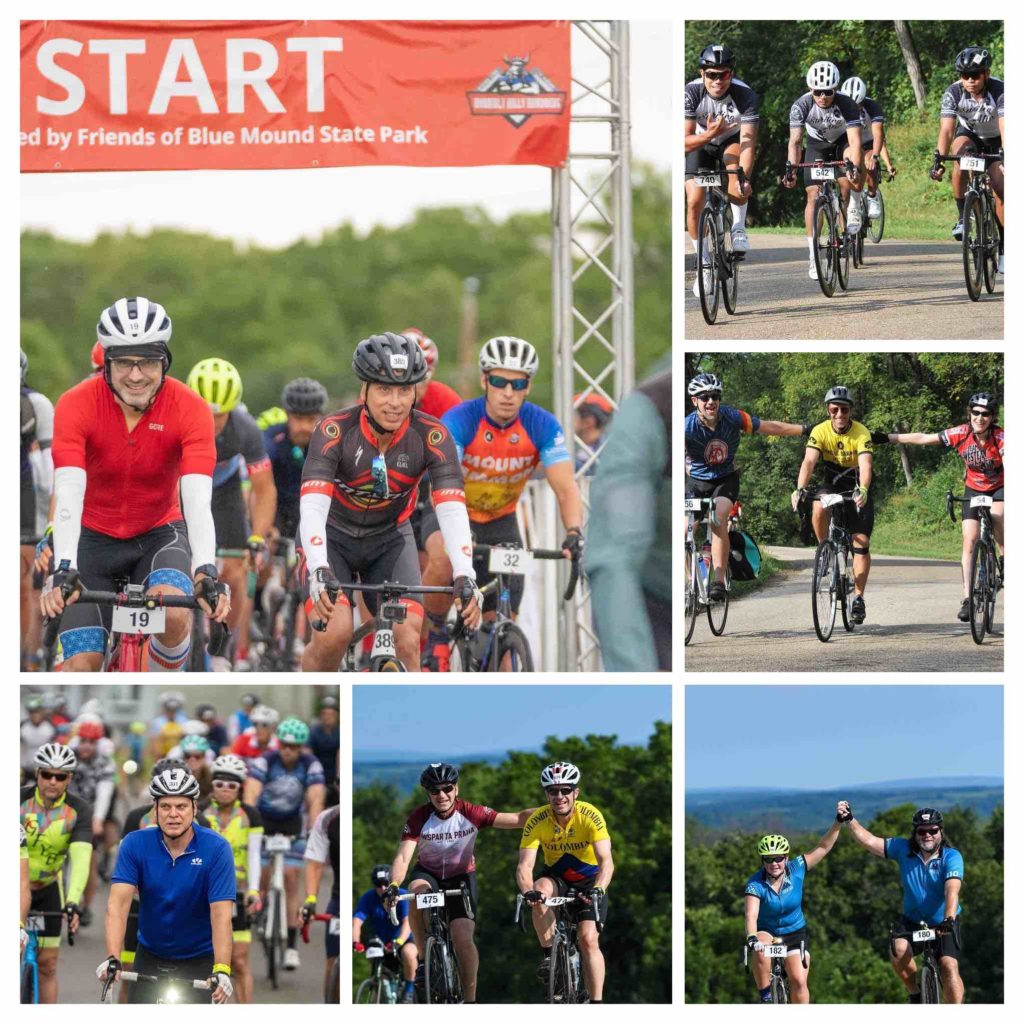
(592, 265)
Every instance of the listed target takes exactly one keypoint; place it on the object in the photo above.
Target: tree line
(631, 786)
(850, 898)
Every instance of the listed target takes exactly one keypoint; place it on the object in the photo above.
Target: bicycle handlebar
(309, 920)
(549, 554)
(939, 929)
(405, 897)
(573, 896)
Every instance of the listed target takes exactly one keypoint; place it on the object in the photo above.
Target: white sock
(739, 216)
(168, 659)
(693, 242)
(810, 246)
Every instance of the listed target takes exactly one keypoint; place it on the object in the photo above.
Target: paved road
(905, 290)
(911, 625)
(77, 979)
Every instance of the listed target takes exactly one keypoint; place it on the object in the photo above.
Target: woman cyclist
(774, 910)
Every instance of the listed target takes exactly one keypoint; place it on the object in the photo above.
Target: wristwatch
(207, 570)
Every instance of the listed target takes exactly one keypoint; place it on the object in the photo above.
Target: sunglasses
(379, 470)
(833, 409)
(773, 860)
(149, 365)
(709, 396)
(559, 791)
(928, 831)
(56, 776)
(716, 76)
(824, 92)
(441, 789)
(224, 784)
(501, 383)
(972, 75)
(981, 412)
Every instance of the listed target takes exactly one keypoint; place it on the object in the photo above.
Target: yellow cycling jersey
(840, 450)
(243, 822)
(568, 851)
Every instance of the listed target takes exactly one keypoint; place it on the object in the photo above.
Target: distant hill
(404, 772)
(782, 809)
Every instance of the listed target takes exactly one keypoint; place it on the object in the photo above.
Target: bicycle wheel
(435, 982)
(512, 649)
(848, 593)
(332, 994)
(780, 990)
(29, 984)
(991, 261)
(690, 576)
(991, 590)
(368, 992)
(730, 283)
(387, 665)
(560, 987)
(843, 246)
(707, 264)
(824, 255)
(973, 245)
(288, 612)
(823, 591)
(876, 225)
(930, 991)
(718, 611)
(272, 937)
(979, 593)
(860, 244)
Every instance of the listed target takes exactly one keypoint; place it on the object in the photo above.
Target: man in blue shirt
(931, 873)
(398, 937)
(185, 876)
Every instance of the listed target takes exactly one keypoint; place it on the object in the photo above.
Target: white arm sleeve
(44, 418)
(313, 509)
(42, 461)
(69, 496)
(458, 541)
(104, 791)
(196, 495)
(252, 860)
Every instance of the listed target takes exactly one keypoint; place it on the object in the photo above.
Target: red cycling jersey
(132, 477)
(247, 747)
(984, 462)
(438, 399)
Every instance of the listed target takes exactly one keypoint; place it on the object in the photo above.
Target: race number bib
(981, 501)
(429, 900)
(510, 561)
(384, 644)
(139, 620)
(823, 174)
(775, 951)
(972, 163)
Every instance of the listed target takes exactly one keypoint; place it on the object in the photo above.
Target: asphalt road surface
(76, 971)
(905, 289)
(911, 625)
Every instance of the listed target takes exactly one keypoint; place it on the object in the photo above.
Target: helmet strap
(377, 428)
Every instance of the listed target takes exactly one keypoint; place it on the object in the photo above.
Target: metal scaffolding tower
(592, 265)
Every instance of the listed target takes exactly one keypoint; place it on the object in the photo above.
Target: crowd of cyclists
(569, 833)
(931, 874)
(213, 791)
(835, 120)
(844, 447)
(140, 478)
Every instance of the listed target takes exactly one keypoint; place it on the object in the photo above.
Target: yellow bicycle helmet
(770, 846)
(217, 382)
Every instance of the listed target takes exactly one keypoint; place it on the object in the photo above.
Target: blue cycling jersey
(371, 908)
(780, 912)
(924, 882)
(286, 461)
(284, 789)
(710, 453)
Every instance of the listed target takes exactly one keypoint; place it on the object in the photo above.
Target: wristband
(255, 538)
(311, 898)
(222, 969)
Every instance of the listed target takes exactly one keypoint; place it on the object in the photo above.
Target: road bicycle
(776, 952)
(332, 989)
(441, 980)
(981, 229)
(874, 227)
(832, 244)
(501, 645)
(383, 983)
(566, 981)
(699, 571)
(136, 616)
(276, 620)
(927, 937)
(273, 926)
(34, 924)
(717, 263)
(832, 584)
(986, 578)
(171, 987)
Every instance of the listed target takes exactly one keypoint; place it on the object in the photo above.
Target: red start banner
(189, 95)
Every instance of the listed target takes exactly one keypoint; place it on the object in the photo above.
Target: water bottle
(705, 562)
(574, 960)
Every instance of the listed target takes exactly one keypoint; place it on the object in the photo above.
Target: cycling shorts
(970, 492)
(724, 487)
(229, 517)
(28, 511)
(580, 911)
(131, 933)
(827, 151)
(947, 945)
(979, 144)
(856, 520)
(498, 531)
(792, 941)
(709, 158)
(453, 904)
(332, 943)
(161, 556)
(241, 927)
(49, 900)
(194, 967)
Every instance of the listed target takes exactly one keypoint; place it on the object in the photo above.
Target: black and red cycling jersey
(339, 461)
(984, 461)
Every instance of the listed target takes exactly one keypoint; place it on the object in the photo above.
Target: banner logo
(516, 94)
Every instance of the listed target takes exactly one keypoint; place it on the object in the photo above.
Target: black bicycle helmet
(973, 58)
(439, 774)
(304, 397)
(985, 399)
(380, 875)
(389, 359)
(717, 55)
(166, 763)
(927, 816)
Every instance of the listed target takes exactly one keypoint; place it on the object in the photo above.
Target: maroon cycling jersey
(984, 461)
(446, 844)
(339, 464)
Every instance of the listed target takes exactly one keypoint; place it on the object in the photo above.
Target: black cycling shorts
(580, 911)
(28, 511)
(827, 151)
(723, 487)
(856, 520)
(979, 144)
(709, 158)
(229, 516)
(498, 531)
(973, 513)
(48, 900)
(947, 944)
(452, 904)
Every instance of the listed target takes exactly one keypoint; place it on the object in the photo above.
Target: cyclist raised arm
(872, 843)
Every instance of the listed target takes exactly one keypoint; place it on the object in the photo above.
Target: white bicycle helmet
(561, 773)
(56, 757)
(133, 323)
(228, 766)
(823, 75)
(174, 782)
(855, 89)
(508, 353)
(262, 715)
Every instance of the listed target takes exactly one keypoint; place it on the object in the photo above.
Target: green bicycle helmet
(293, 730)
(195, 745)
(770, 846)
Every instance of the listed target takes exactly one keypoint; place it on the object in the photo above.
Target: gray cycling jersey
(870, 113)
(738, 106)
(979, 115)
(825, 124)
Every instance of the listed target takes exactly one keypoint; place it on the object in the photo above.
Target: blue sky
(481, 718)
(823, 736)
